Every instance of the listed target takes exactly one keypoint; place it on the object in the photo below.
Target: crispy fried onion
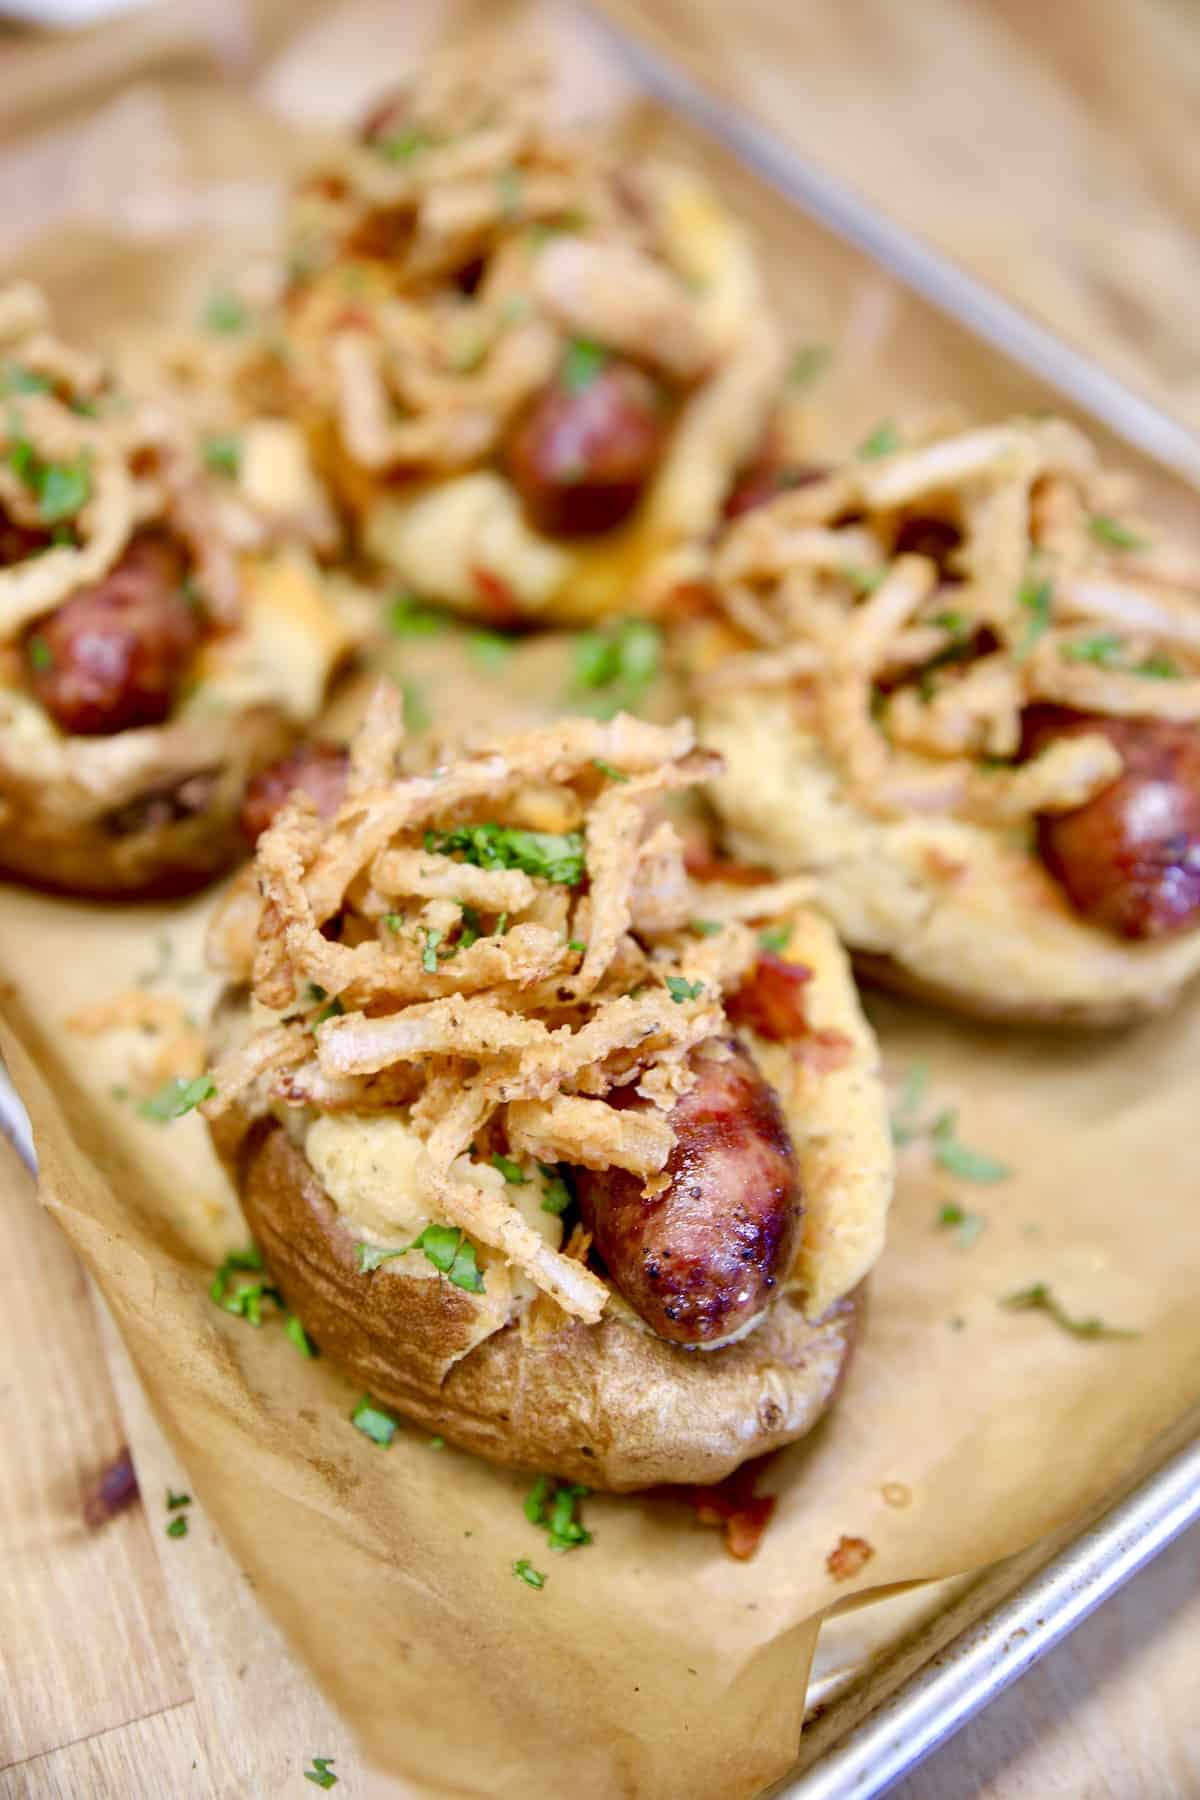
(448, 258)
(427, 949)
(917, 601)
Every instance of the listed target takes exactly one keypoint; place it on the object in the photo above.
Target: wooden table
(1048, 147)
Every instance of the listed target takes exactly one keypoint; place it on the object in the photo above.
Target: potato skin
(607, 1404)
(170, 833)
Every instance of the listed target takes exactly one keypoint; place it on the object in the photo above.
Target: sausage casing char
(1129, 859)
(113, 656)
(318, 769)
(581, 457)
(702, 1258)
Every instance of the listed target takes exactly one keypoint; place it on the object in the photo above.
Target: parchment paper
(650, 1664)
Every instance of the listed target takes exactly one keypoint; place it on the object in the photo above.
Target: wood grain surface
(1047, 145)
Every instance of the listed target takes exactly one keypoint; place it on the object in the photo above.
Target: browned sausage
(1130, 858)
(114, 654)
(580, 458)
(319, 769)
(19, 541)
(700, 1259)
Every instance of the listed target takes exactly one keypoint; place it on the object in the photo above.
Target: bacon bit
(733, 1505)
(353, 317)
(849, 1558)
(824, 1050)
(771, 999)
(496, 595)
(112, 1492)
(690, 600)
(702, 865)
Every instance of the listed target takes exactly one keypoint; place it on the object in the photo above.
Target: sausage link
(701, 1258)
(1130, 858)
(581, 458)
(113, 655)
(319, 769)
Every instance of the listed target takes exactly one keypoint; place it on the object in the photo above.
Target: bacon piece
(771, 999)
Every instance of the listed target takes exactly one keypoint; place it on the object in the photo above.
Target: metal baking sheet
(873, 1725)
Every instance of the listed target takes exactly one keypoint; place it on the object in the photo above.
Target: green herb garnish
(1035, 597)
(524, 1571)
(333, 1009)
(449, 1250)
(706, 927)
(429, 960)
(1039, 1298)
(510, 188)
(417, 716)
(295, 1334)
(606, 768)
(863, 581)
(405, 144)
(178, 1526)
(223, 453)
(623, 659)
(175, 1501)
(321, 1774)
(224, 312)
(373, 1422)
(407, 617)
(775, 938)
(1115, 535)
(556, 1196)
(551, 1505)
(556, 856)
(810, 361)
(968, 1225)
(882, 441)
(18, 380)
(511, 1171)
(176, 1097)
(957, 1159)
(583, 361)
(904, 1122)
(681, 990)
(490, 649)
(238, 1262)
(39, 653)
(472, 928)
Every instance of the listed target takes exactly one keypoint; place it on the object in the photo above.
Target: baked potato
(957, 683)
(540, 1140)
(531, 366)
(161, 639)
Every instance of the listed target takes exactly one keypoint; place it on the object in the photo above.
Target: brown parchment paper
(650, 1664)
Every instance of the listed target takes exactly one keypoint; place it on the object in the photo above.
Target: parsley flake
(321, 1774)
(175, 1501)
(556, 1196)
(176, 1097)
(223, 453)
(1039, 1298)
(556, 856)
(551, 1505)
(864, 581)
(606, 768)
(404, 144)
(957, 1159)
(1035, 597)
(224, 313)
(295, 1333)
(449, 1250)
(178, 1526)
(490, 649)
(1114, 534)
(510, 187)
(681, 990)
(622, 659)
(407, 617)
(583, 362)
(429, 955)
(706, 927)
(775, 939)
(524, 1571)
(968, 1225)
(38, 651)
(809, 362)
(18, 380)
(882, 441)
(374, 1422)
(511, 1171)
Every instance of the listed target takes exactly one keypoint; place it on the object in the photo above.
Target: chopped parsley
(583, 362)
(321, 1774)
(436, 1443)
(471, 930)
(246, 1300)
(449, 1250)
(863, 581)
(955, 623)
(775, 938)
(1104, 649)
(511, 1171)
(395, 922)
(502, 924)
(578, 945)
(958, 1160)
(60, 488)
(40, 655)
(374, 1422)
(417, 716)
(556, 1196)
(606, 768)
(223, 453)
(178, 1526)
(295, 1334)
(404, 144)
(176, 1097)
(429, 955)
(554, 855)
(18, 380)
(224, 312)
(551, 1505)
(237, 1262)
(681, 990)
(490, 649)
(1039, 1298)
(524, 1571)
(1036, 597)
(882, 441)
(968, 1225)
(809, 362)
(407, 617)
(1158, 668)
(622, 660)
(175, 1501)
(1114, 534)
(332, 1009)
(706, 927)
